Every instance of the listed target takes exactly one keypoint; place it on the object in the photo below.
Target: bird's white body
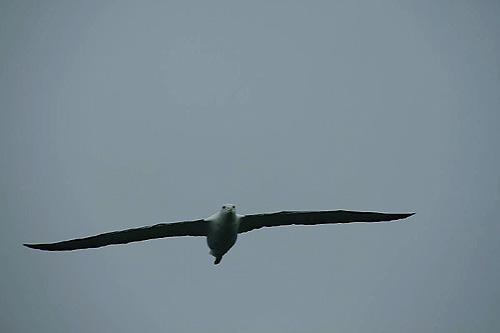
(223, 231)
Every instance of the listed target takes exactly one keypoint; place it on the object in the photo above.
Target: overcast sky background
(122, 114)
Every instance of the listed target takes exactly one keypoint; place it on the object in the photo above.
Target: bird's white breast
(223, 232)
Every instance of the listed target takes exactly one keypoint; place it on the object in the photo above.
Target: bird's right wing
(187, 228)
(256, 221)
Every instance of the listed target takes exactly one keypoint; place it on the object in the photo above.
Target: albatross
(221, 228)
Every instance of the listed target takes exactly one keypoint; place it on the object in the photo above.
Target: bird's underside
(221, 229)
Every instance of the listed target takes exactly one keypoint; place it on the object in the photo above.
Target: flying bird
(221, 228)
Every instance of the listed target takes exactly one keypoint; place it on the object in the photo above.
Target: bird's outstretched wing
(188, 228)
(256, 221)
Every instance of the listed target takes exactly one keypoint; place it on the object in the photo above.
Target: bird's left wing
(187, 228)
(256, 221)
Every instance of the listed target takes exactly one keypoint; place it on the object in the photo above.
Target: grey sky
(123, 114)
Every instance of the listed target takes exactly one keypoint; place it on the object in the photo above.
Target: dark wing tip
(32, 246)
(45, 247)
(403, 215)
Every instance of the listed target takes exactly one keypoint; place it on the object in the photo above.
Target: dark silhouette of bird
(221, 228)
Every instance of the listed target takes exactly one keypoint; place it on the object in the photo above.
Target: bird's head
(228, 208)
